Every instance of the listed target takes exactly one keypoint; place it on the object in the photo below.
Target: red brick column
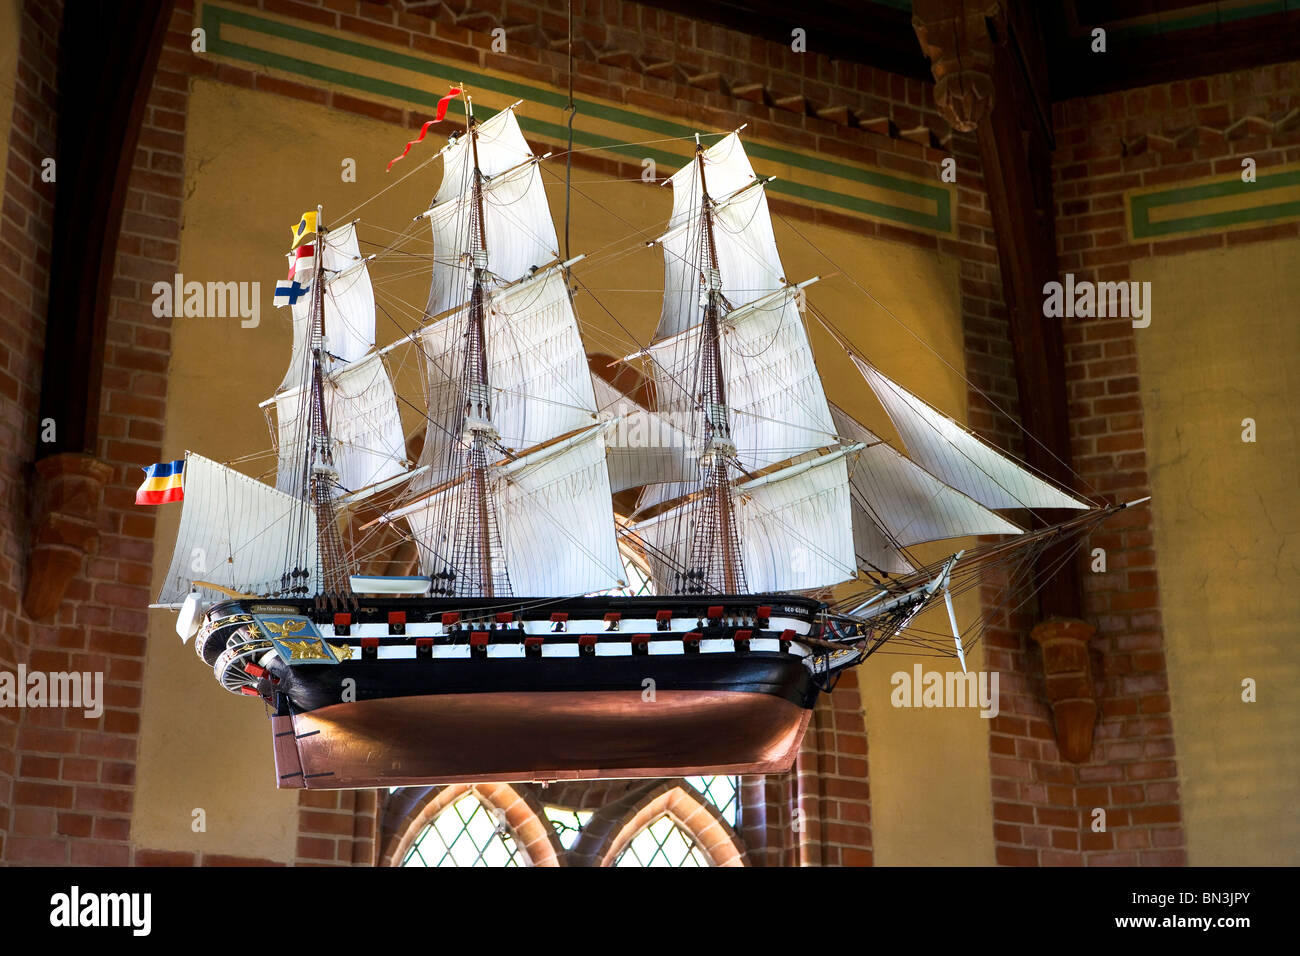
(830, 785)
(74, 776)
(25, 230)
(1107, 144)
(338, 827)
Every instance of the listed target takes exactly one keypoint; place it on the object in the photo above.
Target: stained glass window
(568, 824)
(465, 834)
(662, 843)
(723, 793)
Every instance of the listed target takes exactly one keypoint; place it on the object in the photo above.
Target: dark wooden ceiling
(1147, 41)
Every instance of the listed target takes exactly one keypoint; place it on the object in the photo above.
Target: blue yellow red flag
(163, 482)
(305, 227)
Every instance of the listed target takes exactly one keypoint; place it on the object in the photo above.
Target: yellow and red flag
(163, 482)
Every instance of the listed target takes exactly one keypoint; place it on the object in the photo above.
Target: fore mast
(321, 476)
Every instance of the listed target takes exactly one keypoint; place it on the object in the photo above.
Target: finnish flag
(288, 291)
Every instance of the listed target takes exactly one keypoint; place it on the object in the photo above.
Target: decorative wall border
(388, 73)
(1214, 204)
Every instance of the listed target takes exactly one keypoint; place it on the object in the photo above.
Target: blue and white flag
(288, 291)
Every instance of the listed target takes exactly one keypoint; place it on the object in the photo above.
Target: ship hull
(586, 688)
(537, 736)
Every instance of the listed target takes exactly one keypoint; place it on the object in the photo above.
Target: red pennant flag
(437, 118)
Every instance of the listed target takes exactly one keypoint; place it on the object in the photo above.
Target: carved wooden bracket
(954, 34)
(65, 527)
(1068, 667)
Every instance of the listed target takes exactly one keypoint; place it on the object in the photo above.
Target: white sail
(642, 446)
(748, 262)
(364, 426)
(774, 393)
(910, 503)
(958, 458)
(540, 384)
(239, 533)
(517, 226)
(349, 305)
(553, 512)
(795, 527)
(877, 551)
(501, 146)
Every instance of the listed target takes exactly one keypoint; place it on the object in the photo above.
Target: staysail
(642, 447)
(911, 504)
(239, 533)
(957, 457)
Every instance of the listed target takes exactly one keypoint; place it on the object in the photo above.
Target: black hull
(777, 675)
(503, 693)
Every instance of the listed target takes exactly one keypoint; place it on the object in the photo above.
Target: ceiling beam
(988, 76)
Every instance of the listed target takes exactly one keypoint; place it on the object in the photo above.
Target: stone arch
(612, 829)
(408, 813)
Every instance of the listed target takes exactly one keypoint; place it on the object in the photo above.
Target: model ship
(466, 613)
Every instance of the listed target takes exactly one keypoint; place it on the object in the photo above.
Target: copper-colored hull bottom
(535, 736)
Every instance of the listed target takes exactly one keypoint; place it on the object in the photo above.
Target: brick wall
(25, 231)
(77, 778)
(72, 777)
(830, 787)
(1169, 133)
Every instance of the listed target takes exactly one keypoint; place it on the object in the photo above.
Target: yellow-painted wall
(1223, 346)
(931, 799)
(254, 163)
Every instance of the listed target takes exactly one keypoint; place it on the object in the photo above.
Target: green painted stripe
(1214, 220)
(1232, 187)
(1140, 206)
(1198, 20)
(215, 17)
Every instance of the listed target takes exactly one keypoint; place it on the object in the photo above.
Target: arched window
(567, 823)
(465, 833)
(684, 823)
(662, 843)
(723, 792)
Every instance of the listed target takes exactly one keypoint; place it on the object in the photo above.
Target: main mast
(322, 476)
(715, 548)
(476, 522)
